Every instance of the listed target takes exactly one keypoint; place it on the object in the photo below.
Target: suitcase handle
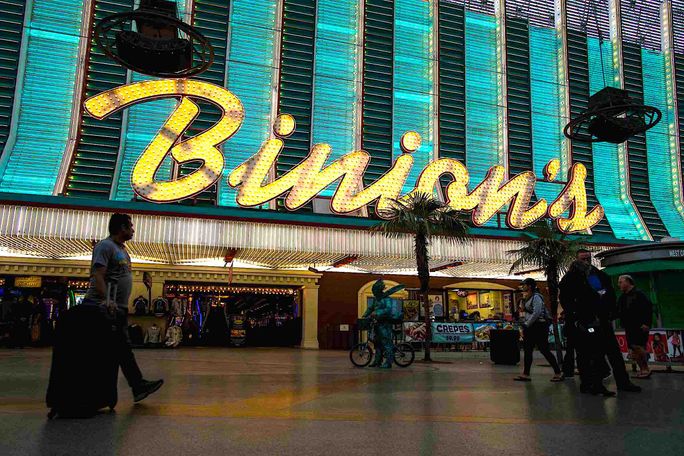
(110, 304)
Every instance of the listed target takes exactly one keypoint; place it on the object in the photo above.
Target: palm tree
(423, 216)
(551, 252)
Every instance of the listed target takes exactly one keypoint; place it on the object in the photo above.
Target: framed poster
(436, 305)
(411, 309)
(471, 300)
(485, 302)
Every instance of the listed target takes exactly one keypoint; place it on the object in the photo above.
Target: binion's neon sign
(311, 176)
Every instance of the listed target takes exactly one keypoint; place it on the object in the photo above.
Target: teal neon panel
(50, 45)
(336, 59)
(144, 121)
(250, 70)
(610, 176)
(665, 180)
(547, 115)
(11, 25)
(482, 95)
(414, 101)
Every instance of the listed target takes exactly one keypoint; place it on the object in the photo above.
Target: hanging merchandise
(153, 335)
(140, 305)
(160, 306)
(135, 334)
(174, 336)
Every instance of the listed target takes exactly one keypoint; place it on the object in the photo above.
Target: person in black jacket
(636, 314)
(581, 304)
(607, 311)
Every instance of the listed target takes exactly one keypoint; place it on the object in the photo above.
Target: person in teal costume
(380, 308)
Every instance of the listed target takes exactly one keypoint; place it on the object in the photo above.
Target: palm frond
(420, 213)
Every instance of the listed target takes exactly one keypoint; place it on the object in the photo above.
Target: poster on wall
(471, 301)
(452, 332)
(238, 330)
(414, 331)
(507, 309)
(664, 345)
(481, 331)
(411, 309)
(436, 305)
(485, 302)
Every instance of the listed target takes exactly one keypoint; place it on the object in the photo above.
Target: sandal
(643, 377)
(520, 378)
(558, 378)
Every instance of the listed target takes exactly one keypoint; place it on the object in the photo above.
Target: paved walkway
(283, 401)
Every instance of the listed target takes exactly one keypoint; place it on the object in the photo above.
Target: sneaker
(606, 375)
(145, 388)
(630, 387)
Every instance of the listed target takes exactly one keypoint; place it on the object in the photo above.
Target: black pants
(590, 359)
(612, 352)
(127, 361)
(538, 335)
(570, 347)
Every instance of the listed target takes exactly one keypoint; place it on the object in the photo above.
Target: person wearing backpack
(536, 331)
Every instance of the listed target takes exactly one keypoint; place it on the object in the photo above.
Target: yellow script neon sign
(311, 176)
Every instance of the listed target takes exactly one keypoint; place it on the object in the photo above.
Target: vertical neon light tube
(548, 117)
(414, 102)
(250, 70)
(664, 169)
(336, 68)
(611, 179)
(43, 100)
(483, 92)
(141, 124)
(563, 71)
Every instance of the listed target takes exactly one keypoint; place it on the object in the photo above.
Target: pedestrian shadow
(95, 436)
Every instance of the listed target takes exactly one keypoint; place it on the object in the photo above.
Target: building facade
(487, 83)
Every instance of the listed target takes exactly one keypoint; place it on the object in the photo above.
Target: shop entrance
(219, 315)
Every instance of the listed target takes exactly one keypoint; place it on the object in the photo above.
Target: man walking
(110, 274)
(636, 314)
(602, 285)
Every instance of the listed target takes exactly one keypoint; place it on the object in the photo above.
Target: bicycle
(362, 354)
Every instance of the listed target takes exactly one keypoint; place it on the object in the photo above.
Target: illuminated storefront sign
(312, 176)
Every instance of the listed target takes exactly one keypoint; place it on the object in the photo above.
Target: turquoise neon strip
(665, 182)
(336, 60)
(50, 42)
(483, 140)
(547, 119)
(250, 71)
(144, 121)
(414, 101)
(610, 174)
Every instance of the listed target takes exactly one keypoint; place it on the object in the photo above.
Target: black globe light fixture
(612, 117)
(153, 41)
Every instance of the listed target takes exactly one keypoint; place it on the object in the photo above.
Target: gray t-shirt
(115, 258)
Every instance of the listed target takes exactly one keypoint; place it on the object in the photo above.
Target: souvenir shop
(220, 315)
(30, 307)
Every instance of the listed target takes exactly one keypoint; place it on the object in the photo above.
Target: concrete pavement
(287, 401)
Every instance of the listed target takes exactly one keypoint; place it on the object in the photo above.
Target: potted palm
(551, 252)
(423, 216)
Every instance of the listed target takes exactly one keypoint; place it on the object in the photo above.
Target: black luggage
(84, 370)
(504, 348)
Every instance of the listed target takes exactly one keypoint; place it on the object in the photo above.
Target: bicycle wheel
(404, 354)
(361, 355)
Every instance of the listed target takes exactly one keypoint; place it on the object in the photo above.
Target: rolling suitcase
(504, 348)
(84, 370)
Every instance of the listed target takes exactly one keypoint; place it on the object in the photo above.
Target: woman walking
(536, 331)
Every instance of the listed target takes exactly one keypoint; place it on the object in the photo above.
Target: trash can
(504, 347)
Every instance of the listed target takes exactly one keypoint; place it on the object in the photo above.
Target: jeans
(538, 335)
